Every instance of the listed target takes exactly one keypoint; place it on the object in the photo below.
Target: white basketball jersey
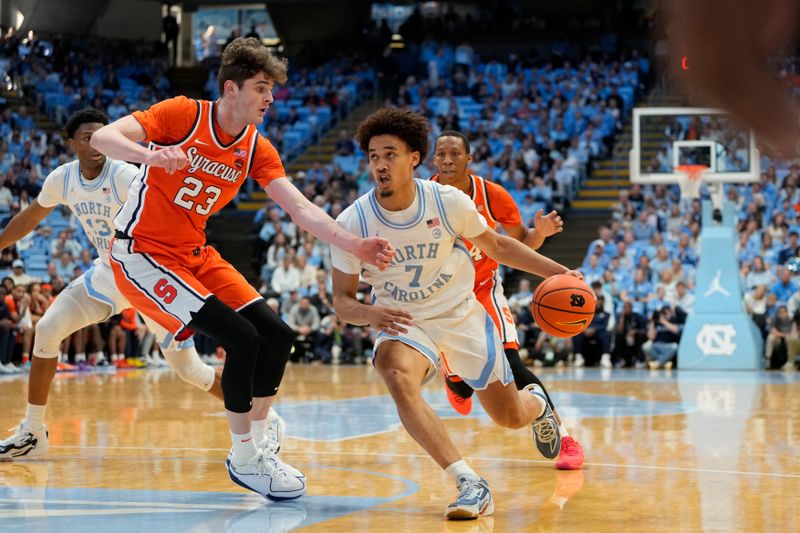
(432, 270)
(94, 202)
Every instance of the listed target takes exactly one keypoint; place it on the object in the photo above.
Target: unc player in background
(451, 157)
(160, 258)
(93, 187)
(424, 306)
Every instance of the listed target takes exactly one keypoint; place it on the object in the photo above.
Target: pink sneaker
(571, 455)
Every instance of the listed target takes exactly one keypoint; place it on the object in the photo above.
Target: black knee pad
(241, 342)
(275, 345)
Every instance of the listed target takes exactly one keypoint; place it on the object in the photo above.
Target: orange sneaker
(461, 405)
(571, 455)
(65, 367)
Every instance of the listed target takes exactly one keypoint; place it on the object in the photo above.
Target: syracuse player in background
(451, 157)
(200, 153)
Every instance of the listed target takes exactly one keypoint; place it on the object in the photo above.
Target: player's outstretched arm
(383, 318)
(23, 223)
(373, 250)
(543, 226)
(119, 140)
(513, 253)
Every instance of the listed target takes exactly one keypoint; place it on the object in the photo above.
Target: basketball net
(691, 180)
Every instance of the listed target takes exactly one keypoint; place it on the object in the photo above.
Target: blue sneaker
(474, 500)
(544, 429)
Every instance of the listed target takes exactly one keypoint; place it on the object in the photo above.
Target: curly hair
(411, 127)
(244, 58)
(89, 115)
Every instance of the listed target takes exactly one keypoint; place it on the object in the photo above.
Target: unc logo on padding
(716, 339)
(576, 300)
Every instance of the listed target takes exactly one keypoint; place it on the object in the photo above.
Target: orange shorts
(168, 289)
(490, 295)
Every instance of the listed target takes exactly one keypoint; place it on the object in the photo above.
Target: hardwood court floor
(141, 451)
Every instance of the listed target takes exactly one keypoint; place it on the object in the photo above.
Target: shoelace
(544, 430)
(569, 447)
(271, 466)
(469, 489)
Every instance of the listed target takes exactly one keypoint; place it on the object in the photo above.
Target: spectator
(304, 319)
(663, 335)
(785, 286)
(593, 345)
(782, 329)
(286, 277)
(345, 145)
(630, 334)
(18, 274)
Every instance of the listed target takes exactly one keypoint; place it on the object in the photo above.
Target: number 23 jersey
(432, 271)
(168, 212)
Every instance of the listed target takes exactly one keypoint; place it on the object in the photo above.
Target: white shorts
(98, 283)
(466, 342)
(493, 299)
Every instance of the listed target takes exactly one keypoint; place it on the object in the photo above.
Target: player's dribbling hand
(576, 273)
(171, 158)
(376, 251)
(389, 320)
(549, 224)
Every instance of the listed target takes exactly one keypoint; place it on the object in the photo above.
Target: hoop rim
(692, 172)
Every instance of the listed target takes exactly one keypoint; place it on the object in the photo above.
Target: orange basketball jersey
(167, 213)
(496, 206)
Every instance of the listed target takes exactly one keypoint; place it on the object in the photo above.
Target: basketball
(563, 305)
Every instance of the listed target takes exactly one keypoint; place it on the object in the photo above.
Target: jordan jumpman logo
(716, 286)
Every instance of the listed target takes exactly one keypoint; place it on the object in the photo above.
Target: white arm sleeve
(345, 261)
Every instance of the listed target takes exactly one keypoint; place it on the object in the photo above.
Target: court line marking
(472, 457)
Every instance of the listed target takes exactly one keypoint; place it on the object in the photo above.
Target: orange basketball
(563, 305)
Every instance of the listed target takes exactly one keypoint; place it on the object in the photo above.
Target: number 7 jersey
(168, 212)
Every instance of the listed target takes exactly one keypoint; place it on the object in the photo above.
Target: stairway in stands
(323, 151)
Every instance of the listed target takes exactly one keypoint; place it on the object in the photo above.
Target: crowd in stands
(534, 127)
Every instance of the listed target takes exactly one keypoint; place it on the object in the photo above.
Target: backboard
(665, 138)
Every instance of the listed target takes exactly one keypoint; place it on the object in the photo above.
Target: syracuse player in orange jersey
(451, 157)
(200, 153)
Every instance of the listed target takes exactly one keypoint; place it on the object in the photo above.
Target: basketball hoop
(691, 180)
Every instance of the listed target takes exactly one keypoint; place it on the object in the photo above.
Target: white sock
(80, 357)
(244, 447)
(259, 430)
(460, 468)
(99, 356)
(34, 416)
(563, 430)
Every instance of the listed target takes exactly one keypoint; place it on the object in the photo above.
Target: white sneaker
(267, 475)
(605, 360)
(579, 360)
(24, 443)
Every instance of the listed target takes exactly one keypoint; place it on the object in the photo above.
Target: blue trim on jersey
(362, 219)
(424, 350)
(463, 248)
(67, 170)
(416, 220)
(481, 382)
(93, 185)
(91, 291)
(113, 183)
(442, 213)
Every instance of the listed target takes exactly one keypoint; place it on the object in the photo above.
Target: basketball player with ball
(452, 157)
(423, 304)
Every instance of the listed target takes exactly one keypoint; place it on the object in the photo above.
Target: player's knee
(280, 340)
(401, 384)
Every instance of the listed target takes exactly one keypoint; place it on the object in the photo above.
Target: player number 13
(192, 190)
